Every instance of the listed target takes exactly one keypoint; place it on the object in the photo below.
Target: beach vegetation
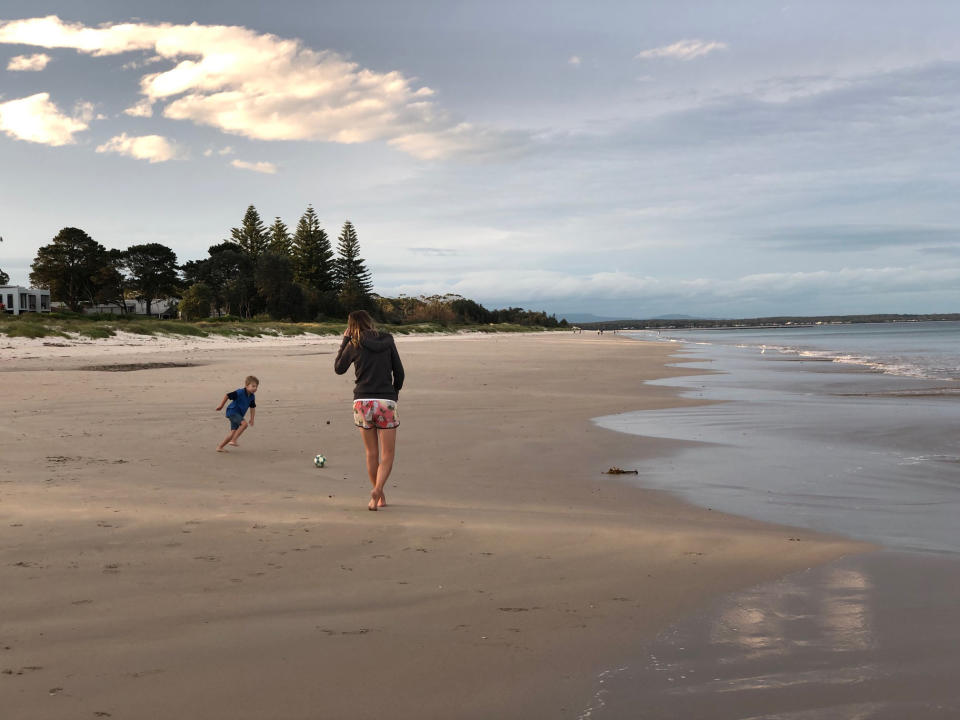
(353, 280)
(260, 275)
(251, 236)
(153, 272)
(196, 302)
(74, 267)
(82, 326)
(279, 238)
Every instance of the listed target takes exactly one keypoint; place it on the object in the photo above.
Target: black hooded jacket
(377, 364)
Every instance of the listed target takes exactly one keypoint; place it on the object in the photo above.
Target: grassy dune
(66, 325)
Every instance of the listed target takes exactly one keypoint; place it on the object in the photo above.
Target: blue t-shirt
(241, 400)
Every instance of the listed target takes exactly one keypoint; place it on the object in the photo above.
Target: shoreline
(871, 634)
(505, 561)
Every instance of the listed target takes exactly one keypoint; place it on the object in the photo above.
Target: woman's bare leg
(388, 450)
(371, 447)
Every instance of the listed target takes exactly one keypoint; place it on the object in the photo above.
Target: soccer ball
(319, 461)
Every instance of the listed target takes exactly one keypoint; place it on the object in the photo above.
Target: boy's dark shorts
(235, 420)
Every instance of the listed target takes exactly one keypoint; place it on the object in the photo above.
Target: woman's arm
(345, 356)
(397, 367)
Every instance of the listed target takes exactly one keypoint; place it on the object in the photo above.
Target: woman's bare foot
(234, 444)
(220, 448)
(374, 500)
(382, 500)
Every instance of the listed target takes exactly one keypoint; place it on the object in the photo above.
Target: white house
(16, 300)
(159, 308)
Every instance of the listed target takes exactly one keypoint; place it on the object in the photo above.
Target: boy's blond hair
(251, 379)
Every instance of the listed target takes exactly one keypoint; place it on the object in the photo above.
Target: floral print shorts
(369, 414)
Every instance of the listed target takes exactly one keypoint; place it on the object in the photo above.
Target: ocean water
(853, 430)
(849, 429)
(927, 350)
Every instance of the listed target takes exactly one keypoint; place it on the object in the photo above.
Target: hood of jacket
(377, 343)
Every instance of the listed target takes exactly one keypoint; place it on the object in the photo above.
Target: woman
(379, 379)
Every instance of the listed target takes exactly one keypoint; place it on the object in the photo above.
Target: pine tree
(279, 239)
(251, 236)
(312, 255)
(354, 283)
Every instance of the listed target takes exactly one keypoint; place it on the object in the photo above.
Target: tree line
(260, 270)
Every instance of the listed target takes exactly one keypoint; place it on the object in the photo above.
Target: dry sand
(144, 575)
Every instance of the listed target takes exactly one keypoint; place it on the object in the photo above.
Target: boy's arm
(222, 403)
(253, 414)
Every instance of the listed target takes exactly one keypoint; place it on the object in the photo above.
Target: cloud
(28, 63)
(210, 152)
(575, 60)
(152, 148)
(260, 167)
(144, 108)
(266, 87)
(858, 238)
(682, 50)
(37, 119)
(434, 251)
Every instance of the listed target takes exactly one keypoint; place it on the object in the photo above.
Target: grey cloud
(434, 252)
(847, 238)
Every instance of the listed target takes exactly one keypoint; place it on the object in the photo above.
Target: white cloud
(260, 167)
(144, 108)
(269, 88)
(37, 119)
(575, 60)
(152, 148)
(28, 63)
(682, 50)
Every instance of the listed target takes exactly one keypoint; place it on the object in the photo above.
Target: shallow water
(806, 438)
(873, 637)
(813, 444)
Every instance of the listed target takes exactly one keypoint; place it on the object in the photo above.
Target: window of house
(33, 302)
(44, 302)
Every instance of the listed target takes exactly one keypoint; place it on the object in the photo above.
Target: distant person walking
(379, 375)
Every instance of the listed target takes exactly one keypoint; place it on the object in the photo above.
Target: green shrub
(175, 327)
(95, 331)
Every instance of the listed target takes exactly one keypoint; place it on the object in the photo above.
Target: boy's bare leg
(227, 439)
(238, 432)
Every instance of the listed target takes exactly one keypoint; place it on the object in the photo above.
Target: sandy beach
(146, 576)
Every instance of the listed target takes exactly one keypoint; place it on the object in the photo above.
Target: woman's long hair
(359, 322)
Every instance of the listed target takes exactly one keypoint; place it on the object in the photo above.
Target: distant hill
(680, 321)
(585, 318)
(680, 317)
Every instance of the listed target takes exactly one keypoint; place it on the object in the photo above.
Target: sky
(737, 158)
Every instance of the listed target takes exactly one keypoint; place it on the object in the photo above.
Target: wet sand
(147, 576)
(869, 637)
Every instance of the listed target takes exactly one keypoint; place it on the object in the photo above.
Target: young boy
(241, 399)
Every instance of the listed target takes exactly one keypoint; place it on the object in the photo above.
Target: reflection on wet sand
(872, 637)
